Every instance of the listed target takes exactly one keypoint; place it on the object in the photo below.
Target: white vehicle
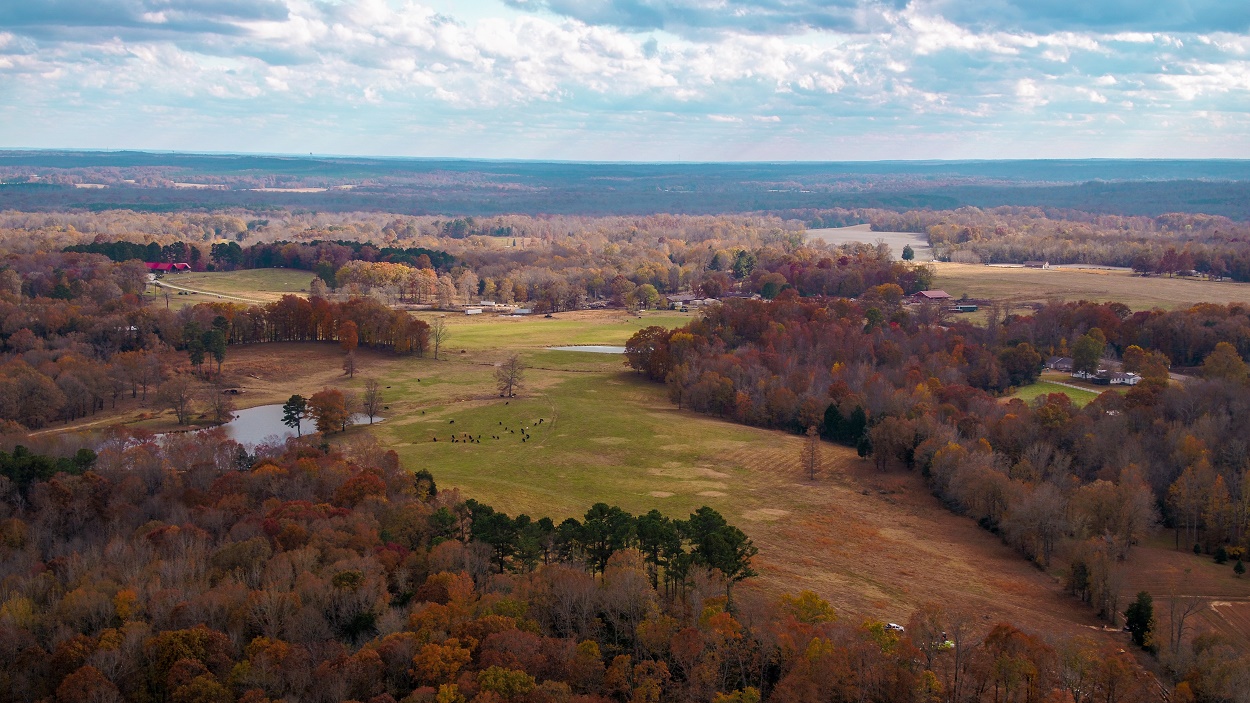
(895, 627)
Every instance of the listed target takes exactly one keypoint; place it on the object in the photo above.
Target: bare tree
(438, 335)
(1180, 608)
(351, 404)
(178, 394)
(810, 456)
(349, 364)
(219, 403)
(509, 375)
(371, 402)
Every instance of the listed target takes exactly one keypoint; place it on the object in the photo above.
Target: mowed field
(251, 286)
(1021, 285)
(1079, 397)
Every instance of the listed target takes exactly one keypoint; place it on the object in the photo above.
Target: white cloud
(383, 66)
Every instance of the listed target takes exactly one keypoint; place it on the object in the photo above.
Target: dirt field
(1020, 285)
(863, 233)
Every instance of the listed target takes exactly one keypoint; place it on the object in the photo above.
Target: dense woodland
(169, 571)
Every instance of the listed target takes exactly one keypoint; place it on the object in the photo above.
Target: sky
(632, 80)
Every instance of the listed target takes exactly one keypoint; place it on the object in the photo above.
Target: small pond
(593, 348)
(254, 425)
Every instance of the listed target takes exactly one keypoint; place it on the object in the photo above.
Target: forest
(173, 571)
(50, 180)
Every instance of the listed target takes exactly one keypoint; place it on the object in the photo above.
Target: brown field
(1021, 285)
(1165, 572)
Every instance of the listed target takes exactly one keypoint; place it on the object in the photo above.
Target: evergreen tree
(1139, 619)
(293, 410)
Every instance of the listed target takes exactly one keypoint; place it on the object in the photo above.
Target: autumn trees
(328, 409)
(1046, 476)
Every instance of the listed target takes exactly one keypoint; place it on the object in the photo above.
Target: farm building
(930, 295)
(473, 311)
(162, 267)
(1037, 264)
(1121, 378)
(1059, 363)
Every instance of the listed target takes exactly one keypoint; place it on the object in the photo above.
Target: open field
(863, 233)
(1080, 398)
(1021, 285)
(254, 285)
(1159, 568)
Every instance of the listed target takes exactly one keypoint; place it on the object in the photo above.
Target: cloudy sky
(667, 80)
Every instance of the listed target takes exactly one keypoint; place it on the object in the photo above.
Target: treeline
(1168, 244)
(316, 255)
(906, 388)
(670, 548)
(162, 572)
(565, 276)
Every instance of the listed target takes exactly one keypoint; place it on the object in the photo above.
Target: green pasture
(1080, 398)
(569, 440)
(241, 283)
(488, 332)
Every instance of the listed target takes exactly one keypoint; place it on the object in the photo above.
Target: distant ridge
(460, 187)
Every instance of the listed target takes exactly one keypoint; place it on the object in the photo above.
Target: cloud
(1097, 15)
(858, 16)
(375, 76)
(698, 16)
(135, 18)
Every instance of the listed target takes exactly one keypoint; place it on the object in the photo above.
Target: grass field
(255, 285)
(1020, 285)
(1080, 398)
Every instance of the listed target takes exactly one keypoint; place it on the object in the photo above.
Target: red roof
(933, 294)
(153, 266)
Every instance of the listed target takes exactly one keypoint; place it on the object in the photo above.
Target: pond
(593, 348)
(264, 422)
